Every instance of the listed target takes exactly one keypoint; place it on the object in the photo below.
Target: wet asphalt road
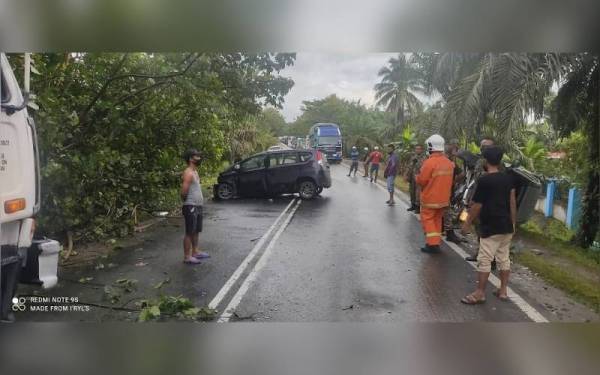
(345, 256)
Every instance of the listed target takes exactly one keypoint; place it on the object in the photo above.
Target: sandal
(192, 261)
(201, 255)
(472, 300)
(501, 298)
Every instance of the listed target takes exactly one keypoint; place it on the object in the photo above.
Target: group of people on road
(371, 161)
(432, 174)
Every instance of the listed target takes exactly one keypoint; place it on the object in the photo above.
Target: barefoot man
(191, 195)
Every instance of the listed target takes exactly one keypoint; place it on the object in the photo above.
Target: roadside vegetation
(112, 128)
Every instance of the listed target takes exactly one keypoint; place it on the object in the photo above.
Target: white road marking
(237, 298)
(529, 310)
(249, 258)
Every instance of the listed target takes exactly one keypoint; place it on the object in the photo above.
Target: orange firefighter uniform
(435, 180)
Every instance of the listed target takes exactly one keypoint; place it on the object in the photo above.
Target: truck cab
(20, 196)
(327, 138)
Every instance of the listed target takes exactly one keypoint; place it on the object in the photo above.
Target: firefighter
(435, 180)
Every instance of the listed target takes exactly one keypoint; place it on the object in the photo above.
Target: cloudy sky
(316, 75)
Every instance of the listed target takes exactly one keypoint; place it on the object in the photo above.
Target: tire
(307, 189)
(319, 190)
(224, 191)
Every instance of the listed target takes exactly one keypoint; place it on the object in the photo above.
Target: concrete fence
(551, 208)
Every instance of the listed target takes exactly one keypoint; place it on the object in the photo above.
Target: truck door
(17, 152)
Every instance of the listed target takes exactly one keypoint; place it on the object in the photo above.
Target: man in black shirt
(494, 203)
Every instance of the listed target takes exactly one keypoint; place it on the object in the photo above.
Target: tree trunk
(590, 215)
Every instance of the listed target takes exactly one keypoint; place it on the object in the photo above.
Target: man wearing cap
(191, 195)
(375, 158)
(435, 180)
(354, 157)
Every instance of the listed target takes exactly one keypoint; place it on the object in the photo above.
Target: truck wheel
(224, 191)
(307, 190)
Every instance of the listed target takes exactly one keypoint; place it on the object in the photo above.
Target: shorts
(374, 167)
(193, 219)
(390, 183)
(496, 246)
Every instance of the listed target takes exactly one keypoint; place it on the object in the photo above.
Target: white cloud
(316, 75)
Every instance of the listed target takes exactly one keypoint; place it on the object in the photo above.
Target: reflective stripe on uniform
(433, 234)
(443, 172)
(435, 205)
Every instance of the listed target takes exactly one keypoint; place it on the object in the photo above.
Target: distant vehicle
(300, 143)
(269, 174)
(327, 138)
(275, 148)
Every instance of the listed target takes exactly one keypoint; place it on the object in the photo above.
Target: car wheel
(224, 191)
(307, 189)
(319, 190)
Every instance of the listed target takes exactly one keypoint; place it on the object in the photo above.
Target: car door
(282, 172)
(251, 176)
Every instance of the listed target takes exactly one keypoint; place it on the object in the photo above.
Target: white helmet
(376, 148)
(354, 147)
(435, 143)
(366, 149)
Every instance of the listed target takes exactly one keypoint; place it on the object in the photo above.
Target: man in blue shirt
(354, 157)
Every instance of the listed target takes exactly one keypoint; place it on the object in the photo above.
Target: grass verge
(570, 268)
(553, 235)
(580, 288)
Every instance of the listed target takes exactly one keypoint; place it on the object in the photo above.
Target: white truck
(22, 258)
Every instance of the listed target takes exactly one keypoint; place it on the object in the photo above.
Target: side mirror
(236, 167)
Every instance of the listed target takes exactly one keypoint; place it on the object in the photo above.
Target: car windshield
(4, 90)
(329, 140)
(253, 163)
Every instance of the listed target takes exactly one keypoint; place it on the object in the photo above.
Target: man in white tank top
(191, 195)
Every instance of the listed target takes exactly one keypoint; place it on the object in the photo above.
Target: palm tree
(441, 71)
(510, 87)
(399, 81)
(533, 154)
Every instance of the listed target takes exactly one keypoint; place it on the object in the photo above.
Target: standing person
(354, 157)
(414, 166)
(435, 180)
(191, 195)
(375, 159)
(480, 171)
(495, 205)
(449, 214)
(366, 162)
(391, 170)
